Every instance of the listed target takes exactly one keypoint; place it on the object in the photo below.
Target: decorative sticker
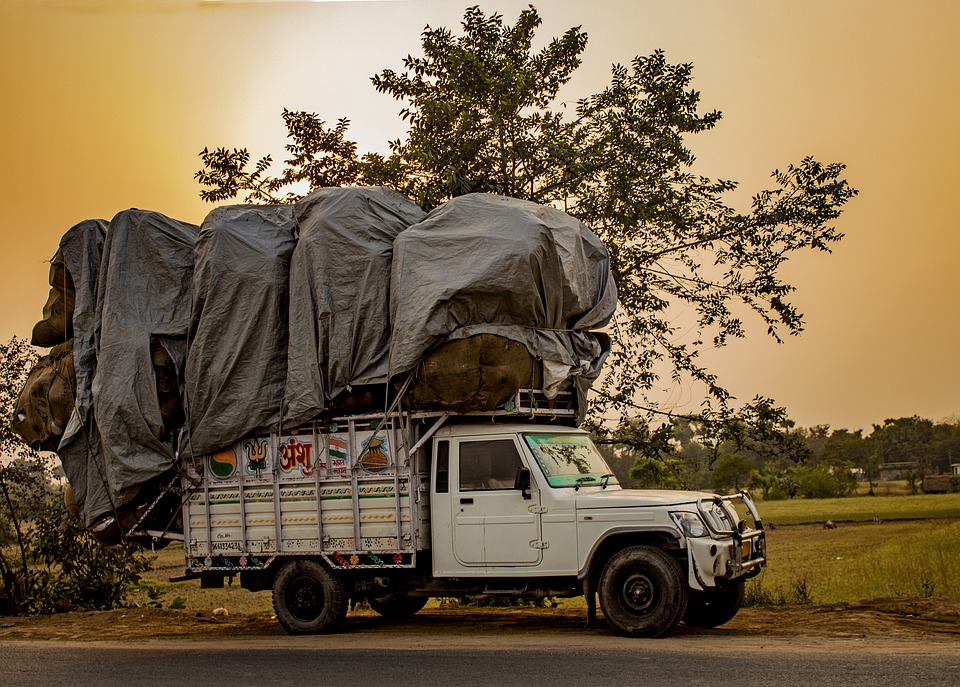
(374, 454)
(338, 448)
(296, 456)
(255, 452)
(223, 464)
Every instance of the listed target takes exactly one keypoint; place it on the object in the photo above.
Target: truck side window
(442, 482)
(488, 465)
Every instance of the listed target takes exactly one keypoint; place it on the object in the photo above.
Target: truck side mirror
(522, 482)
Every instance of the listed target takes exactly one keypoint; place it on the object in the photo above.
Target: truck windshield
(569, 460)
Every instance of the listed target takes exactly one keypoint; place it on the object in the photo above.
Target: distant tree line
(816, 462)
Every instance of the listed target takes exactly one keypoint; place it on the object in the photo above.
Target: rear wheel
(714, 607)
(642, 592)
(308, 598)
(397, 606)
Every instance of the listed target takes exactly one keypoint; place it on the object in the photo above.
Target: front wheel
(308, 598)
(714, 607)
(642, 592)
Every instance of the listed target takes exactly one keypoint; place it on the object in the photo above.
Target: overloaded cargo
(490, 266)
(186, 340)
(347, 399)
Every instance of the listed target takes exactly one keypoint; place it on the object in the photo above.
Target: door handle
(470, 500)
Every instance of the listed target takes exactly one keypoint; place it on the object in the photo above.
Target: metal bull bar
(748, 553)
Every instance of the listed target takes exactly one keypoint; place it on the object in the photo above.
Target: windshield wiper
(605, 479)
(582, 480)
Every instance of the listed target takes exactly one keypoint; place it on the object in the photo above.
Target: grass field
(860, 560)
(883, 546)
(860, 509)
(913, 551)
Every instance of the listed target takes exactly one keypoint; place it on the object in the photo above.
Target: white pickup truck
(399, 508)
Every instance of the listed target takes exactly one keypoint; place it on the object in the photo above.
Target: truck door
(493, 525)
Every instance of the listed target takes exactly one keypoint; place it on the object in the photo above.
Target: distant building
(889, 471)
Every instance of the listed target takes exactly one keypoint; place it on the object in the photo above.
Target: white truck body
(402, 507)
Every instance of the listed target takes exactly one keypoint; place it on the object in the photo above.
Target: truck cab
(504, 499)
(539, 504)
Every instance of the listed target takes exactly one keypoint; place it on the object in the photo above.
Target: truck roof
(490, 428)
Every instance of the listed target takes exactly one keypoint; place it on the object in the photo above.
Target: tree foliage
(906, 440)
(479, 109)
(731, 472)
(318, 156)
(483, 114)
(779, 461)
(17, 358)
(21, 471)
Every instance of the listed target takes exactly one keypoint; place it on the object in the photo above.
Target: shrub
(66, 569)
(757, 594)
(81, 572)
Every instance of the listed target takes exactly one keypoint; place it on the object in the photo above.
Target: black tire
(308, 598)
(714, 607)
(397, 606)
(642, 592)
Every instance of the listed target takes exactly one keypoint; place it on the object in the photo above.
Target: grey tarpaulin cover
(142, 291)
(293, 305)
(490, 264)
(237, 360)
(339, 294)
(80, 454)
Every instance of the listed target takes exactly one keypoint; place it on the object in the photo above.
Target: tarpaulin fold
(139, 288)
(237, 362)
(487, 264)
(340, 294)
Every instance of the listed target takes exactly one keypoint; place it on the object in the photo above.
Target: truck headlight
(690, 524)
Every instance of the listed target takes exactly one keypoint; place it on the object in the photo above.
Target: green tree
(816, 439)
(774, 483)
(482, 111)
(731, 471)
(659, 473)
(820, 482)
(656, 460)
(75, 570)
(946, 445)
(23, 478)
(906, 440)
(319, 157)
(852, 449)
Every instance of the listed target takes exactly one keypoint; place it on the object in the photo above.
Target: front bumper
(732, 552)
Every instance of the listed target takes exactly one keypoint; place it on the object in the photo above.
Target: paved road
(301, 661)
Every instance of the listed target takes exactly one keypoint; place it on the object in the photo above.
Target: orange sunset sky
(106, 105)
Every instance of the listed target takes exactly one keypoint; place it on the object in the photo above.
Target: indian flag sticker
(337, 451)
(223, 464)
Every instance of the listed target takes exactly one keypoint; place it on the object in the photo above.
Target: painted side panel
(336, 492)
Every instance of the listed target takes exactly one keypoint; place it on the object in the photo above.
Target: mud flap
(591, 598)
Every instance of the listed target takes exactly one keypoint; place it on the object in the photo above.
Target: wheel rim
(304, 598)
(639, 594)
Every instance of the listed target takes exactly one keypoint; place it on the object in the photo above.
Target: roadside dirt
(907, 620)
